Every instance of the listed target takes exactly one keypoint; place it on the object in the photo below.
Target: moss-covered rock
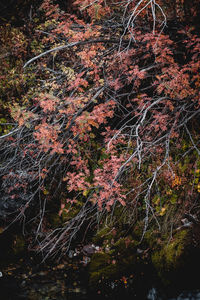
(169, 258)
(106, 234)
(122, 255)
(120, 258)
(102, 268)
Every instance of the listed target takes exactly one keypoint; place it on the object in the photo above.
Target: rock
(169, 258)
(89, 249)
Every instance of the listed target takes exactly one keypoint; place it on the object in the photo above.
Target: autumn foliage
(108, 117)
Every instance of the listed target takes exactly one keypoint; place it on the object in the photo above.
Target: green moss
(170, 257)
(106, 233)
(123, 246)
(108, 273)
(99, 260)
(138, 230)
(119, 261)
(120, 244)
(176, 248)
(101, 268)
(151, 238)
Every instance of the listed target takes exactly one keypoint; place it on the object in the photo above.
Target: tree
(111, 119)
